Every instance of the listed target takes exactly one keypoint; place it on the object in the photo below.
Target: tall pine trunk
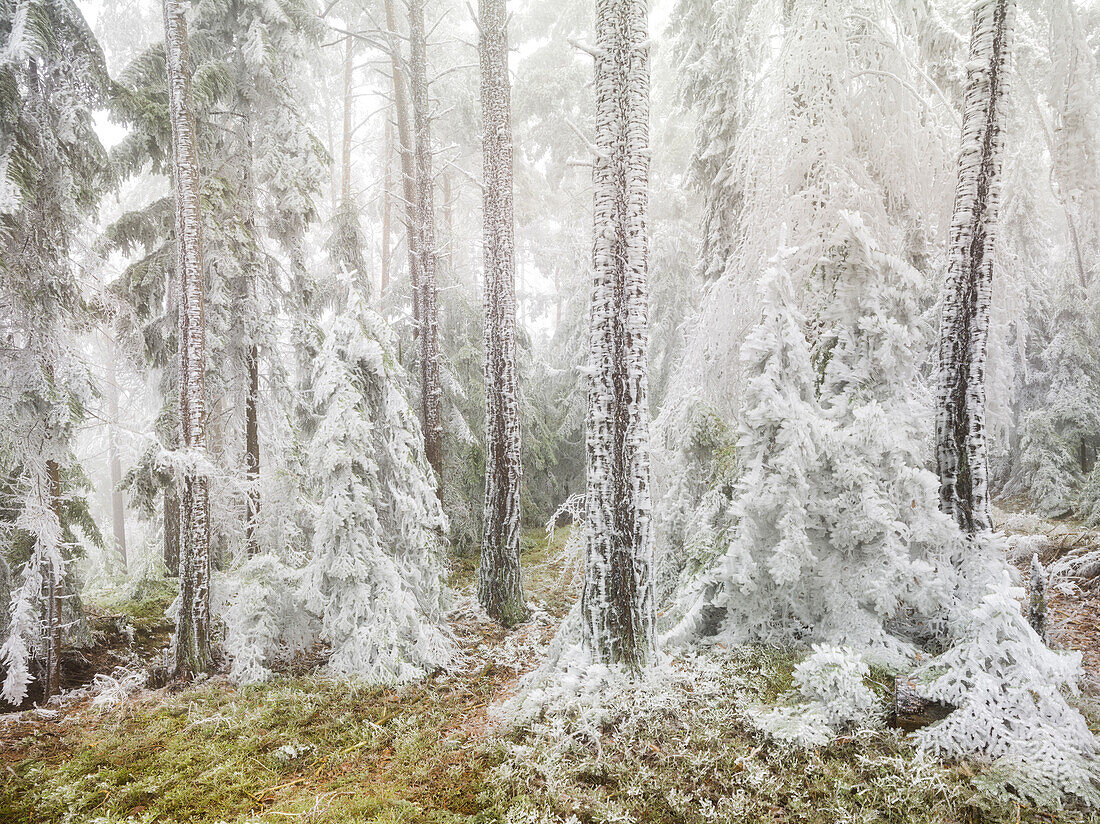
(617, 601)
(118, 509)
(387, 208)
(404, 138)
(964, 325)
(171, 511)
(431, 392)
(191, 642)
(499, 588)
(345, 145)
(53, 576)
(252, 447)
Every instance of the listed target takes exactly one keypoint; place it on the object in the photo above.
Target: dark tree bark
(191, 641)
(618, 601)
(252, 448)
(500, 588)
(171, 511)
(964, 325)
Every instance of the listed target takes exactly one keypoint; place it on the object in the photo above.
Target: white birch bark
(617, 601)
(964, 323)
(500, 587)
(191, 642)
(431, 392)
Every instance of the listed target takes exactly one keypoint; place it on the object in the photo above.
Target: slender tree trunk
(191, 642)
(617, 601)
(387, 208)
(964, 324)
(171, 511)
(252, 448)
(499, 587)
(345, 154)
(118, 510)
(408, 172)
(431, 393)
(448, 218)
(51, 684)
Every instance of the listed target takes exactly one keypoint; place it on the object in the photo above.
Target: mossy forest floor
(306, 749)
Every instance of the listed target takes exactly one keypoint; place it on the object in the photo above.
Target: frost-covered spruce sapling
(830, 695)
(1007, 688)
(762, 587)
(887, 537)
(375, 578)
(836, 531)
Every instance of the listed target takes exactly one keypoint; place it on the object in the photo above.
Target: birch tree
(500, 588)
(425, 295)
(617, 602)
(191, 642)
(964, 324)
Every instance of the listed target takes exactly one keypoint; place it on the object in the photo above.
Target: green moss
(311, 750)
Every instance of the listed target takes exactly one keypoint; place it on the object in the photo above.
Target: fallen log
(911, 710)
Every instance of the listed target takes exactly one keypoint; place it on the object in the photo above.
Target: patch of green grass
(215, 753)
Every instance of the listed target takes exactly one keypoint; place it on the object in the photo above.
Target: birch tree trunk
(964, 324)
(499, 585)
(431, 393)
(404, 138)
(191, 641)
(618, 600)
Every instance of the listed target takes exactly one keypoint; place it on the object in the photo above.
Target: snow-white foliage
(111, 691)
(805, 110)
(830, 695)
(1008, 690)
(375, 577)
(27, 628)
(836, 533)
(265, 617)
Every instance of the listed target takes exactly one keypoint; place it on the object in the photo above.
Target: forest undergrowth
(309, 749)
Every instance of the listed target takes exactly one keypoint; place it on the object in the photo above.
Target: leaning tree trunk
(191, 642)
(499, 587)
(404, 137)
(964, 324)
(431, 392)
(617, 601)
